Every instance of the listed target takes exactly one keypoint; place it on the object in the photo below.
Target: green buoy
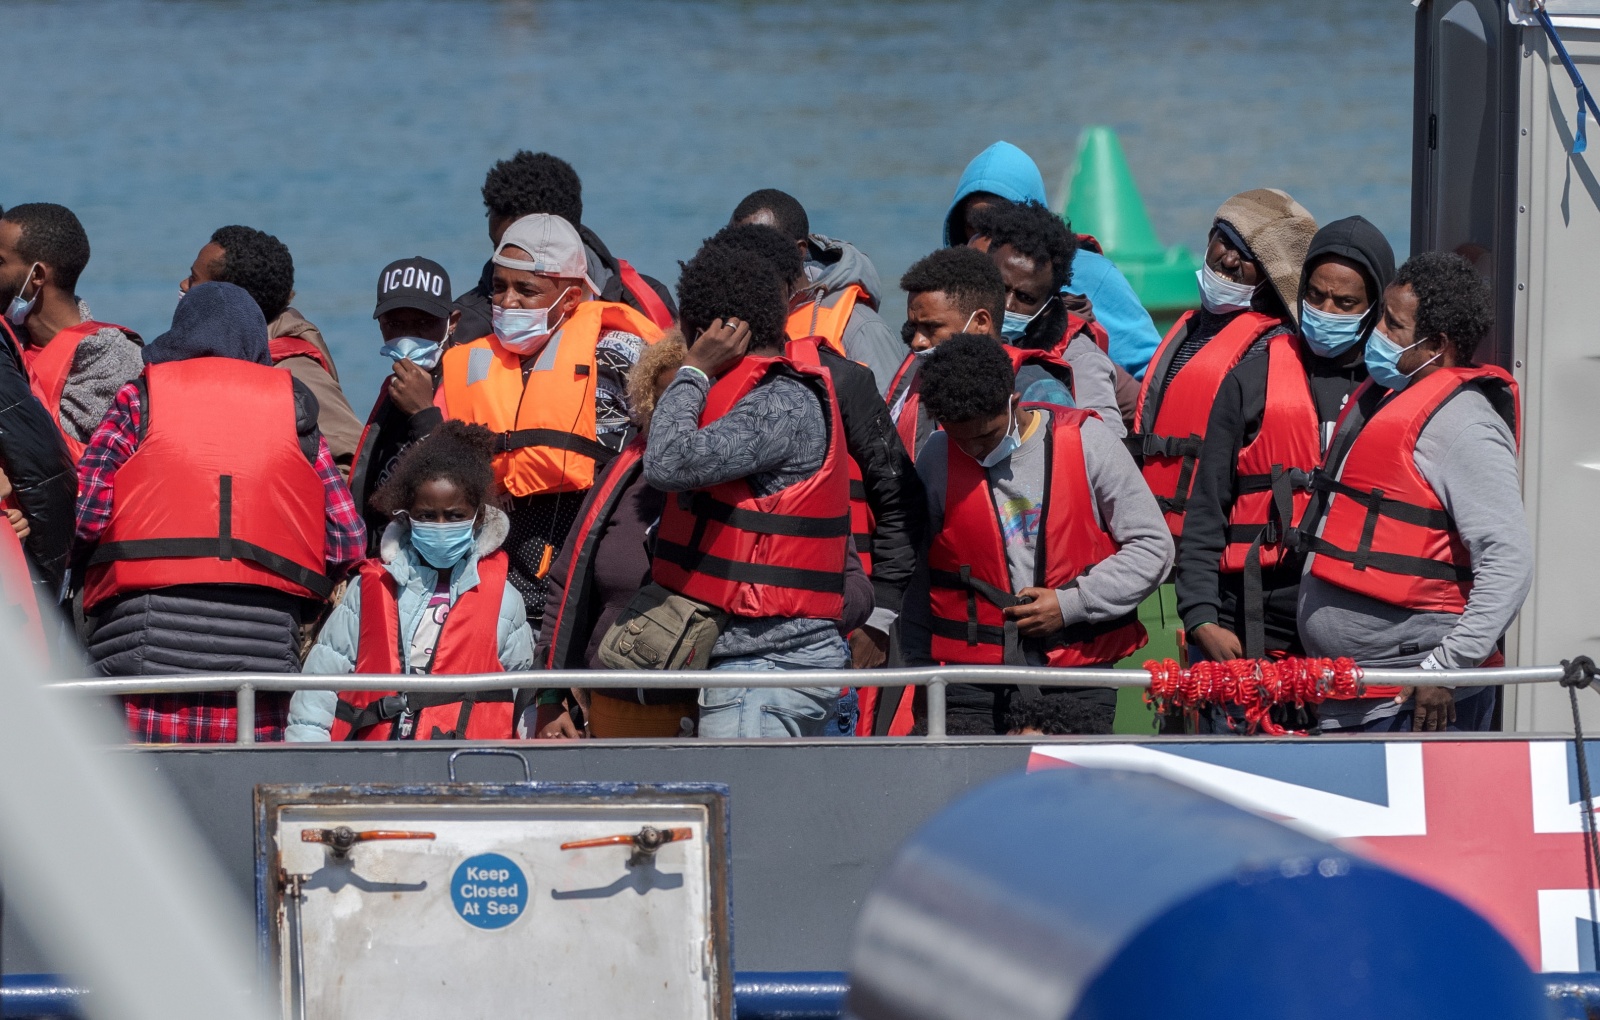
(1100, 198)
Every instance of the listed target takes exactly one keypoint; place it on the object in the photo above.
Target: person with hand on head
(839, 298)
(1248, 288)
(1418, 546)
(262, 265)
(211, 520)
(530, 183)
(1238, 579)
(886, 501)
(433, 602)
(551, 383)
(1045, 539)
(76, 363)
(749, 438)
(1034, 251)
(416, 321)
(1097, 291)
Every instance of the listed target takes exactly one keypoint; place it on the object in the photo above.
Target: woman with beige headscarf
(1249, 291)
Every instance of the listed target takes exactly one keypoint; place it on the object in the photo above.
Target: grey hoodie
(834, 265)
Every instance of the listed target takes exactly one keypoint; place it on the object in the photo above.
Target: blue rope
(1580, 141)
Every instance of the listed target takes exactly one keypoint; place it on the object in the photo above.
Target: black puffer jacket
(206, 628)
(474, 304)
(35, 458)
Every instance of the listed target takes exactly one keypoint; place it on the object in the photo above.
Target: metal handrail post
(246, 703)
(936, 706)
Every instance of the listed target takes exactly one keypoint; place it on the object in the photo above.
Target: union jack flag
(1496, 823)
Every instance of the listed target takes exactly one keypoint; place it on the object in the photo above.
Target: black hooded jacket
(1205, 594)
(34, 457)
(476, 318)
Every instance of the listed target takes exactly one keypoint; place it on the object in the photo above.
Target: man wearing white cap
(550, 381)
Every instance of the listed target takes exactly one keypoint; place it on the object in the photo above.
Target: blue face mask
(1383, 362)
(1006, 447)
(1329, 334)
(442, 545)
(421, 353)
(19, 309)
(1014, 325)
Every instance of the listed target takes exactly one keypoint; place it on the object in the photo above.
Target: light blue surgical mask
(1220, 295)
(421, 353)
(524, 330)
(1329, 334)
(1383, 362)
(1007, 445)
(442, 544)
(19, 309)
(1014, 325)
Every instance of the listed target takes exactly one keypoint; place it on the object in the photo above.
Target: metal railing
(935, 678)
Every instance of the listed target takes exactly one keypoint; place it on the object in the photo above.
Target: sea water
(359, 131)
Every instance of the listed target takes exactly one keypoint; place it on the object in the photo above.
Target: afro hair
(455, 452)
(966, 378)
(1032, 231)
(258, 262)
(757, 240)
(721, 283)
(788, 215)
(1452, 300)
(1058, 713)
(533, 182)
(51, 234)
(966, 276)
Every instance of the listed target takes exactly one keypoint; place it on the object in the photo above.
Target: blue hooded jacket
(1005, 170)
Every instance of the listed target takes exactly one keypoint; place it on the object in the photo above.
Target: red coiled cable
(1255, 686)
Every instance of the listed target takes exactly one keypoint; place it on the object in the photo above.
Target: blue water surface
(359, 131)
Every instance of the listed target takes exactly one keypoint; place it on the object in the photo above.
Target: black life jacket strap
(798, 578)
(702, 505)
(555, 439)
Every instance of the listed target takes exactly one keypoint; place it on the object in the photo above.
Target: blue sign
(489, 891)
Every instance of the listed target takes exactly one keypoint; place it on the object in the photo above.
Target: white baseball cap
(554, 247)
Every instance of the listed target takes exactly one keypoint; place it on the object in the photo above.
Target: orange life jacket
(759, 556)
(17, 598)
(50, 366)
(1170, 417)
(970, 582)
(546, 425)
(583, 539)
(218, 492)
(1384, 532)
(281, 347)
(469, 642)
(826, 317)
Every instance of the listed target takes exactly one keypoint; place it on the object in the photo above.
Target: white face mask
(1220, 295)
(1007, 446)
(524, 330)
(19, 309)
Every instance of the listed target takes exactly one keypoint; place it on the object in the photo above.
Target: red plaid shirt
(199, 718)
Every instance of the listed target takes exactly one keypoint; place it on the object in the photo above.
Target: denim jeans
(774, 711)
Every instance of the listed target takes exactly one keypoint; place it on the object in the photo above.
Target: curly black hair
(757, 240)
(966, 378)
(533, 182)
(788, 214)
(51, 234)
(1031, 230)
(1055, 714)
(720, 282)
(1452, 300)
(455, 452)
(965, 275)
(258, 262)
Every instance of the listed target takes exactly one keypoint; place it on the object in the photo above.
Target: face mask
(523, 330)
(421, 353)
(908, 334)
(1329, 334)
(1007, 446)
(1015, 324)
(1383, 362)
(19, 309)
(442, 545)
(1220, 295)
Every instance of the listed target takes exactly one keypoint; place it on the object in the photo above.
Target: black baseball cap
(414, 283)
